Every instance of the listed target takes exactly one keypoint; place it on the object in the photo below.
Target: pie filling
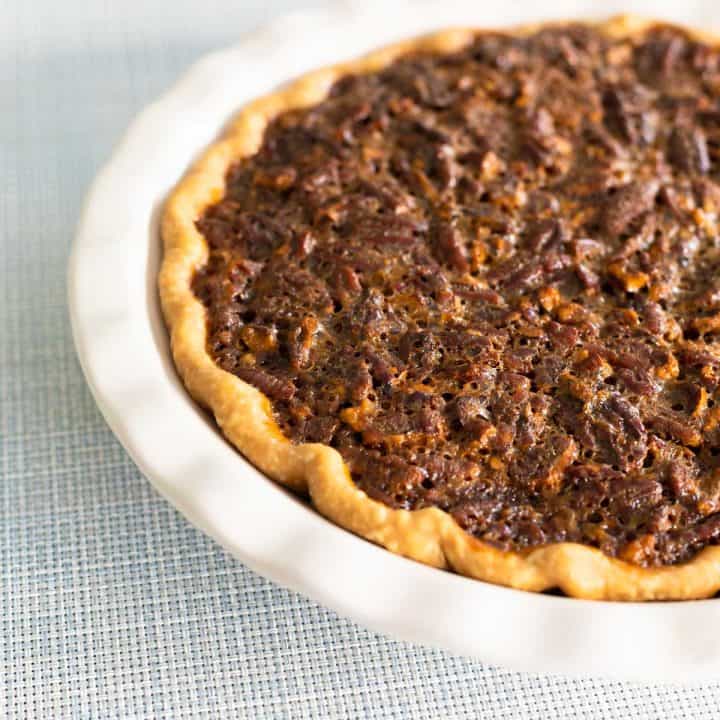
(489, 279)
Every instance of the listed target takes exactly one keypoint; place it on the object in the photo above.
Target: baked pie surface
(462, 293)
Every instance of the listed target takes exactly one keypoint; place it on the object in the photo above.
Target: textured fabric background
(111, 605)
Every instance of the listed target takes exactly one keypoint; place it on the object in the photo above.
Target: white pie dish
(122, 345)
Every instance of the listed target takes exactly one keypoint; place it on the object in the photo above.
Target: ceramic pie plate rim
(123, 349)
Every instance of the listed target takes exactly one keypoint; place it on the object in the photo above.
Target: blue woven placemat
(111, 605)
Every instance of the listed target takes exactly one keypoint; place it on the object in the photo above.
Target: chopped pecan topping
(491, 280)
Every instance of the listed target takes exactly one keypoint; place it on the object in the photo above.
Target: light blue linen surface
(111, 604)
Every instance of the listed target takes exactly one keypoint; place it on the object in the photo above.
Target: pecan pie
(464, 294)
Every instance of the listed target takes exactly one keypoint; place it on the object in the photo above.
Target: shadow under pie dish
(462, 293)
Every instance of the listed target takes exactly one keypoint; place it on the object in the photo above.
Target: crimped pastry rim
(244, 414)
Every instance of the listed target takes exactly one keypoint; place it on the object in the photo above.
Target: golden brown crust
(244, 414)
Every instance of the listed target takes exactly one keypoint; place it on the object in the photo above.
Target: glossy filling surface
(490, 280)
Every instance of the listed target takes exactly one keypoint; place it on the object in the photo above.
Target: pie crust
(244, 414)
